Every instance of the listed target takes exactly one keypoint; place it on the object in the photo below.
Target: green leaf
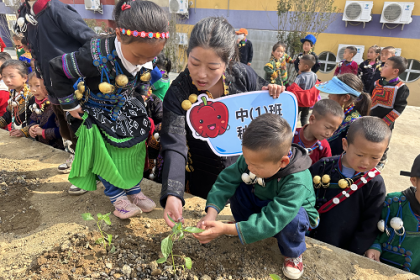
(107, 214)
(100, 217)
(112, 251)
(181, 236)
(109, 239)
(175, 229)
(171, 219)
(193, 229)
(107, 220)
(188, 263)
(87, 217)
(179, 226)
(161, 260)
(275, 277)
(166, 246)
(99, 241)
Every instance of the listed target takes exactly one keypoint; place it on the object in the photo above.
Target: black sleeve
(174, 142)
(251, 52)
(5, 119)
(316, 67)
(157, 110)
(62, 75)
(253, 81)
(370, 215)
(297, 64)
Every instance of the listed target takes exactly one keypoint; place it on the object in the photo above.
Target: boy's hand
(211, 216)
(274, 90)
(373, 254)
(16, 133)
(213, 229)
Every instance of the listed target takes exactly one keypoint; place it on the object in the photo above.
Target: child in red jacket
(4, 90)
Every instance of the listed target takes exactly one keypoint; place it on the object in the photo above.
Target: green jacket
(401, 252)
(276, 71)
(288, 194)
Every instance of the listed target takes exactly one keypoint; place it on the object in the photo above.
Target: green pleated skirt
(94, 156)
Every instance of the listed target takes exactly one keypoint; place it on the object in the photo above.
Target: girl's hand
(32, 132)
(274, 90)
(75, 113)
(16, 133)
(173, 208)
(373, 254)
(213, 230)
(211, 216)
(38, 131)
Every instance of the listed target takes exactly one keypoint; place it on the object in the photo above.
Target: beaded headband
(142, 34)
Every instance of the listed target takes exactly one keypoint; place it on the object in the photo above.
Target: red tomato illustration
(209, 119)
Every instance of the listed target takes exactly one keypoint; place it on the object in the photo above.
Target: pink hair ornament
(125, 6)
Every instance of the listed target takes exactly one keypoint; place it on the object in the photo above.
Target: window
(327, 62)
(413, 71)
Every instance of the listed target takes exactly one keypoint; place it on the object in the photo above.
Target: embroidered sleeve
(3, 122)
(25, 131)
(268, 68)
(49, 134)
(5, 119)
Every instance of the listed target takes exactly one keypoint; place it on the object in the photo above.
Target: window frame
(410, 70)
(326, 62)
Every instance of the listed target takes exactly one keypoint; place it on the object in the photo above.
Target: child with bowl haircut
(326, 117)
(397, 243)
(349, 189)
(270, 193)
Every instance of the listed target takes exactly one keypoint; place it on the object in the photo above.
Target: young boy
(278, 202)
(389, 97)
(392, 246)
(327, 115)
(349, 190)
(307, 44)
(304, 87)
(347, 65)
(386, 53)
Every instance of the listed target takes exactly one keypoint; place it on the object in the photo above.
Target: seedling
(275, 277)
(106, 239)
(176, 235)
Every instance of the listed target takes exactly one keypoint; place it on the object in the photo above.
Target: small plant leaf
(161, 260)
(112, 251)
(193, 229)
(100, 217)
(87, 217)
(107, 220)
(166, 246)
(275, 277)
(181, 235)
(109, 239)
(171, 219)
(179, 226)
(107, 214)
(188, 263)
(99, 241)
(175, 229)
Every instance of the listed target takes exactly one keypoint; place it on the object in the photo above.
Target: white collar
(131, 68)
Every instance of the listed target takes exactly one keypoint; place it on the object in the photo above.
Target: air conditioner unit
(397, 13)
(359, 11)
(178, 7)
(358, 57)
(93, 5)
(182, 39)
(9, 3)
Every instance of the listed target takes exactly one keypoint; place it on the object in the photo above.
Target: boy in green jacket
(270, 191)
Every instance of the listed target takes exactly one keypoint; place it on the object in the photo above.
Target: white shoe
(65, 168)
(73, 190)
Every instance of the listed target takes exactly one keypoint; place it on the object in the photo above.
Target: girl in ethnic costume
(43, 124)
(347, 90)
(14, 74)
(109, 116)
(276, 69)
(212, 69)
(367, 68)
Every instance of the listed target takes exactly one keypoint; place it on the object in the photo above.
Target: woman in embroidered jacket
(347, 90)
(212, 69)
(109, 116)
(43, 124)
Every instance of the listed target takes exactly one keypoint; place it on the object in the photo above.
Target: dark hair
(390, 49)
(327, 106)
(279, 44)
(217, 34)
(271, 132)
(377, 50)
(352, 50)
(363, 102)
(372, 128)
(308, 59)
(17, 37)
(164, 62)
(142, 16)
(24, 42)
(4, 56)
(32, 75)
(16, 64)
(399, 62)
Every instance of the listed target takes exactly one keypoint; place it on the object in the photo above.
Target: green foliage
(167, 243)
(105, 239)
(275, 277)
(298, 18)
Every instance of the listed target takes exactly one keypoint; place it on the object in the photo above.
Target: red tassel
(125, 7)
